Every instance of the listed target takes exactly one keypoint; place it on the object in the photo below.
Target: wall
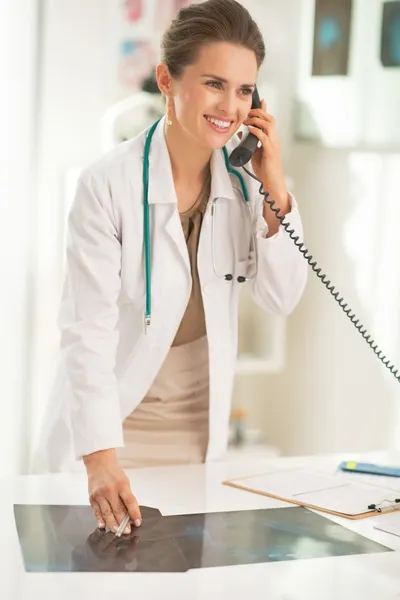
(334, 395)
(17, 194)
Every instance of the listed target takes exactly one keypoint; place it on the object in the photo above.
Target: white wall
(17, 198)
(334, 395)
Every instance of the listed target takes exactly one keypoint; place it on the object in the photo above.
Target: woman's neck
(190, 162)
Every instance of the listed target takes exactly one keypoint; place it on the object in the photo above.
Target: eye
(214, 84)
(246, 91)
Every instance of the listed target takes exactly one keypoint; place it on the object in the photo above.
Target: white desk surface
(191, 490)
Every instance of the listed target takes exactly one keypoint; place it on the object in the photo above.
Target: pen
(122, 526)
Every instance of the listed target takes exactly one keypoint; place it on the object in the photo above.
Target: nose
(228, 103)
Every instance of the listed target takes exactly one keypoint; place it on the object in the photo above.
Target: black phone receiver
(248, 145)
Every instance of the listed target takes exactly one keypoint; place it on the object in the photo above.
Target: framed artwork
(332, 25)
(178, 4)
(133, 10)
(390, 35)
(347, 84)
(136, 61)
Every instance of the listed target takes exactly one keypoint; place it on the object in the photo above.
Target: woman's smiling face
(213, 96)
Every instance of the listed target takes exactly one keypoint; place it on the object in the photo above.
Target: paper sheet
(388, 524)
(330, 492)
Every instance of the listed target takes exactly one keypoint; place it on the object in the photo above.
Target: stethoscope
(146, 223)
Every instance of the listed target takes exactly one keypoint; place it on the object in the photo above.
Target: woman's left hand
(267, 160)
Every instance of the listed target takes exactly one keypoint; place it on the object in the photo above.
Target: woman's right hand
(110, 492)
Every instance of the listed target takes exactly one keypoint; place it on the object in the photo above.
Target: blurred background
(77, 80)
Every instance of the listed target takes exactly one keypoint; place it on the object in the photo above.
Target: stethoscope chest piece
(231, 276)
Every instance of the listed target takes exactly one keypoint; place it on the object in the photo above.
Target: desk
(195, 489)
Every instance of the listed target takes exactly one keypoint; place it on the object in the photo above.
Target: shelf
(250, 452)
(254, 364)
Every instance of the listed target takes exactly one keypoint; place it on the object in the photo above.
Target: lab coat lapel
(162, 191)
(162, 188)
(221, 183)
(174, 229)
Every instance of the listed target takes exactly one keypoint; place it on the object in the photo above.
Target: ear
(164, 79)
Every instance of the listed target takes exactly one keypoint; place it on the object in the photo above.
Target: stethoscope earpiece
(239, 279)
(245, 194)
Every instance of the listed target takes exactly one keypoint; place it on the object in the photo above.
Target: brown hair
(208, 22)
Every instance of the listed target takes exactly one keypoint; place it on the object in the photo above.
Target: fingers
(110, 496)
(119, 511)
(97, 513)
(263, 137)
(131, 504)
(261, 112)
(107, 513)
(111, 511)
(266, 126)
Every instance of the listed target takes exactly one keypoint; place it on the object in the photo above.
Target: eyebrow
(222, 80)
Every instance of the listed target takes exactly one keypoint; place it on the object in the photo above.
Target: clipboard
(323, 492)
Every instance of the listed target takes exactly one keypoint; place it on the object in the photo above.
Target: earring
(169, 120)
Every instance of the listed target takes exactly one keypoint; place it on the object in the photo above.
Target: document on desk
(326, 492)
(389, 524)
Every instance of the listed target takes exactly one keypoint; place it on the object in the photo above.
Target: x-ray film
(63, 538)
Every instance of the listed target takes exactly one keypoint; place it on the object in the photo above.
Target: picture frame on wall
(133, 10)
(332, 29)
(390, 34)
(137, 59)
(347, 94)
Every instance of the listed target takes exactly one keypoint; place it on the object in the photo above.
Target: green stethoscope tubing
(146, 211)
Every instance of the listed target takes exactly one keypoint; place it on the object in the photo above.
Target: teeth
(222, 124)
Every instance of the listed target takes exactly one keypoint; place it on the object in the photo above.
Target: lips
(225, 121)
(218, 127)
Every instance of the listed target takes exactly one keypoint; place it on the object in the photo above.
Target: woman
(127, 395)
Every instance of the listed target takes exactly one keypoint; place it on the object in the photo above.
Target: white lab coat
(108, 362)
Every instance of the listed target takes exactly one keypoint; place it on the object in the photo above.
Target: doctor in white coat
(130, 395)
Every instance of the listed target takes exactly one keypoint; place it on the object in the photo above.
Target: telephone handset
(239, 157)
(248, 144)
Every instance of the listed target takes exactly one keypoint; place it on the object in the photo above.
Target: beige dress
(170, 425)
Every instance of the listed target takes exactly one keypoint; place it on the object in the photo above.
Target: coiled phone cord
(331, 288)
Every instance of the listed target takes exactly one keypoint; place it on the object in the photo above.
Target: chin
(216, 143)
(215, 140)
